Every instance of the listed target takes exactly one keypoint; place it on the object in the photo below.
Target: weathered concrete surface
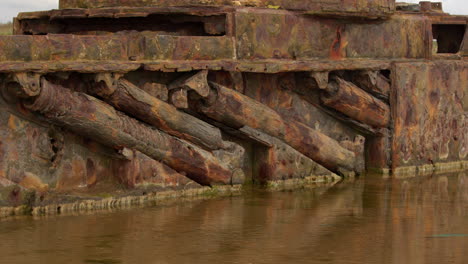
(430, 113)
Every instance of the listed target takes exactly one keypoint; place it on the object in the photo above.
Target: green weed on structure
(6, 29)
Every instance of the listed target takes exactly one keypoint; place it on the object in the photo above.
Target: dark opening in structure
(163, 24)
(448, 37)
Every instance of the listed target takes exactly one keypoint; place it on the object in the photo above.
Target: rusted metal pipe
(352, 101)
(90, 117)
(130, 99)
(237, 110)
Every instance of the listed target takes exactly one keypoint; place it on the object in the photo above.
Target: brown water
(417, 220)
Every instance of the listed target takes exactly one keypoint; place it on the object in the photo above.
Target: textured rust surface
(92, 118)
(370, 8)
(237, 110)
(268, 66)
(290, 36)
(374, 82)
(133, 100)
(67, 163)
(148, 46)
(352, 101)
(430, 113)
(282, 92)
(279, 162)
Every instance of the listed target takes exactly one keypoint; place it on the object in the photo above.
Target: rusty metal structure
(118, 96)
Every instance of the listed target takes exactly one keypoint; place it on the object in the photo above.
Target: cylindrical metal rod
(90, 117)
(130, 99)
(237, 110)
(354, 102)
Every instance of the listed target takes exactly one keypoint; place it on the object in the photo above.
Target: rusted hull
(110, 97)
(430, 118)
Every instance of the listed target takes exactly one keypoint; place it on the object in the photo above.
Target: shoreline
(169, 197)
(155, 198)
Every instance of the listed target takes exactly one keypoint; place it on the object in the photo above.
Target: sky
(9, 8)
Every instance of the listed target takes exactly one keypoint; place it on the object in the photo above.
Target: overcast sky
(9, 8)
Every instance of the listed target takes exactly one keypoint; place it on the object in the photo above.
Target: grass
(6, 29)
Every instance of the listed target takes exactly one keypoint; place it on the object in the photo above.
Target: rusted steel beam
(302, 37)
(358, 126)
(130, 99)
(352, 101)
(237, 110)
(378, 152)
(122, 11)
(267, 66)
(114, 47)
(319, 147)
(310, 93)
(92, 118)
(370, 8)
(291, 40)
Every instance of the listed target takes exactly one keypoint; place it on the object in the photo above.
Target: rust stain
(336, 49)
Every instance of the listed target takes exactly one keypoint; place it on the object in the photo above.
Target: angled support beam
(92, 118)
(237, 110)
(355, 103)
(128, 98)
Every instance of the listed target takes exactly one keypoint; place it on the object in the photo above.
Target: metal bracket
(28, 84)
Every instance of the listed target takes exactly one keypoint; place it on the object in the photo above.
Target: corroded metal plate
(352, 7)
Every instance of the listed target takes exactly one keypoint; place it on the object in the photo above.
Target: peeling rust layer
(430, 113)
(92, 118)
(366, 8)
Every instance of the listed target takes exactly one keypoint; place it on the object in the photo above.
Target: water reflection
(413, 220)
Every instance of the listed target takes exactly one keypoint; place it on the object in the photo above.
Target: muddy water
(413, 220)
